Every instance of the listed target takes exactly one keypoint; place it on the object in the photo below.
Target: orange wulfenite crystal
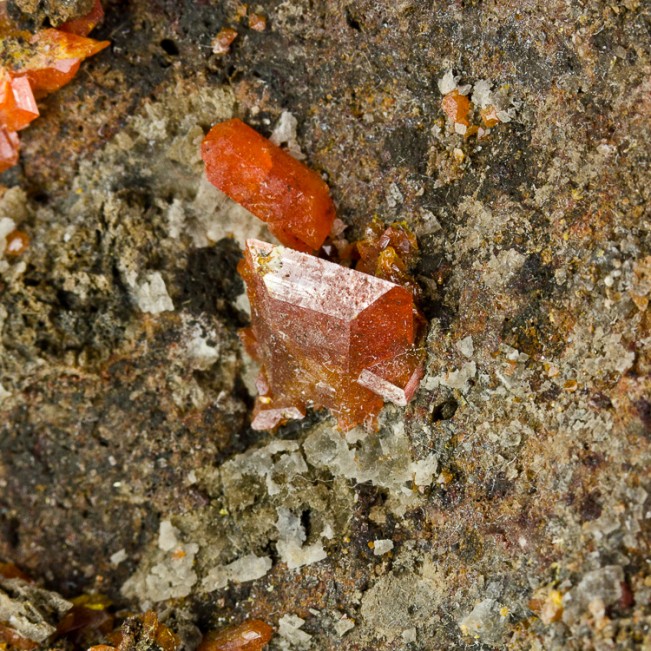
(292, 199)
(86, 24)
(17, 243)
(33, 65)
(88, 615)
(251, 635)
(489, 116)
(54, 59)
(326, 336)
(221, 44)
(388, 253)
(17, 104)
(257, 22)
(11, 571)
(456, 107)
(8, 148)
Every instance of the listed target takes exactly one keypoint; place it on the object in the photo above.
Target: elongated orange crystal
(292, 199)
(251, 635)
(326, 336)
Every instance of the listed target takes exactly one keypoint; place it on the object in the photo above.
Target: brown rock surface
(514, 488)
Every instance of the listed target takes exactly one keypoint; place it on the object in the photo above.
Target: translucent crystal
(56, 58)
(250, 635)
(17, 104)
(8, 148)
(291, 198)
(85, 24)
(326, 336)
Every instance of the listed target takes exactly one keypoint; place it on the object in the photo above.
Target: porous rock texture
(35, 13)
(514, 488)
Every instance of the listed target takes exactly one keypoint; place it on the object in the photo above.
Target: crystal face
(17, 104)
(34, 65)
(55, 59)
(86, 24)
(250, 635)
(326, 336)
(267, 181)
(8, 148)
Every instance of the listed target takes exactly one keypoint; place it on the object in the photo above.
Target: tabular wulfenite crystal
(326, 336)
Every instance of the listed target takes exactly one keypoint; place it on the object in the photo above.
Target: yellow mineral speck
(223, 511)
(504, 611)
(571, 386)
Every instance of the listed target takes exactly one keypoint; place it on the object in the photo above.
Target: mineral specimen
(88, 616)
(52, 59)
(86, 24)
(141, 631)
(326, 336)
(257, 22)
(388, 253)
(222, 42)
(16, 243)
(8, 148)
(17, 104)
(456, 106)
(267, 181)
(34, 65)
(251, 635)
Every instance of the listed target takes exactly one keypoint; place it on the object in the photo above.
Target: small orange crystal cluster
(34, 65)
(458, 108)
(325, 335)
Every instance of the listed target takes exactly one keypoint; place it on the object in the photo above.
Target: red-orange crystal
(55, 59)
(8, 148)
(222, 42)
(326, 336)
(257, 22)
(456, 107)
(388, 253)
(251, 635)
(34, 65)
(16, 243)
(86, 24)
(292, 199)
(17, 104)
(489, 116)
